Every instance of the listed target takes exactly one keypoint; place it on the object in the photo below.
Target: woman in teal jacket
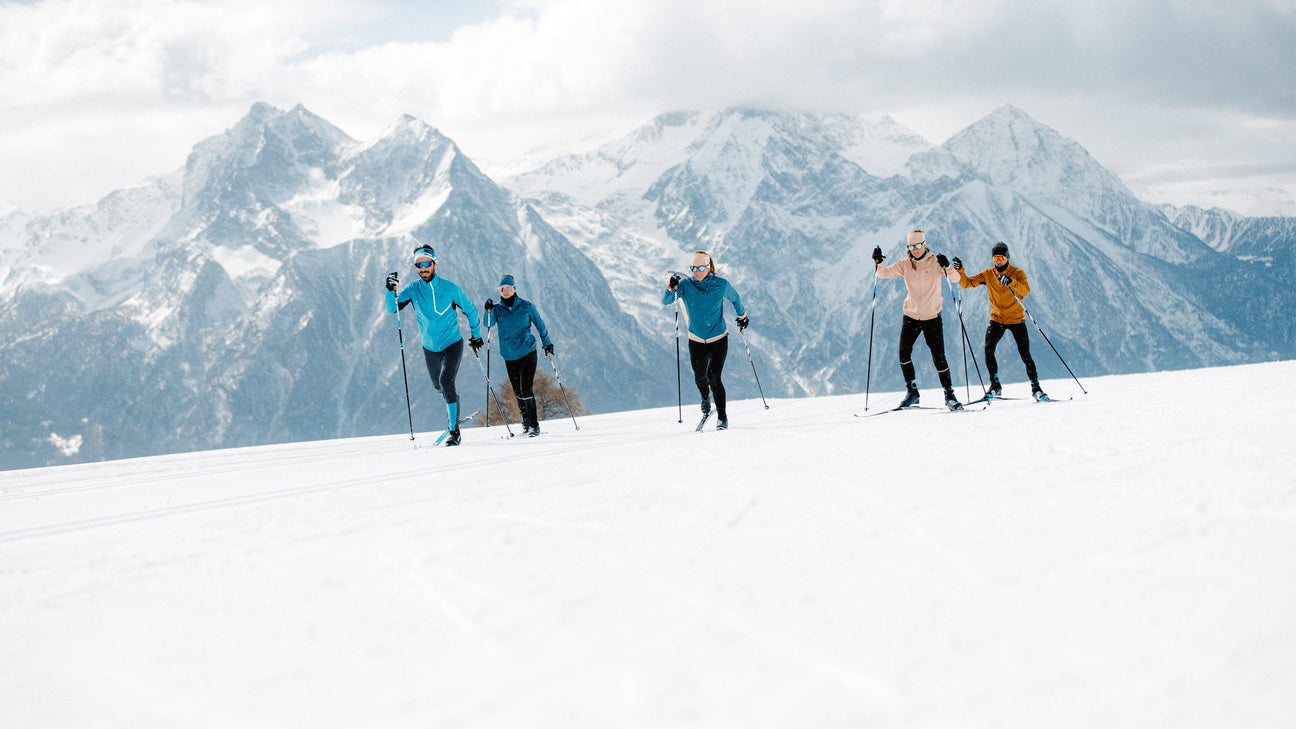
(704, 295)
(515, 317)
(435, 300)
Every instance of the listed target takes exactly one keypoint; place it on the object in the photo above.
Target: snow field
(1127, 559)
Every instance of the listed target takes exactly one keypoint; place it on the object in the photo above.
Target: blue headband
(507, 280)
(425, 251)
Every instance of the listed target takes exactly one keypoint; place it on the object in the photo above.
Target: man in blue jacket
(515, 317)
(435, 300)
(704, 295)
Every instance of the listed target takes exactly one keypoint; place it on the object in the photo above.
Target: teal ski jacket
(704, 305)
(515, 322)
(434, 307)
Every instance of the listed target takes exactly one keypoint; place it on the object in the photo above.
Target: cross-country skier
(435, 300)
(922, 312)
(1006, 314)
(515, 316)
(703, 295)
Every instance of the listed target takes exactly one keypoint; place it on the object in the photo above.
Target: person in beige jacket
(922, 272)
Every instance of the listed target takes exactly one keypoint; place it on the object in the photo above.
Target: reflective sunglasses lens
(423, 264)
(695, 269)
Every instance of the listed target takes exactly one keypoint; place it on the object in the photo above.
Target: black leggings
(995, 332)
(521, 374)
(708, 360)
(933, 331)
(443, 367)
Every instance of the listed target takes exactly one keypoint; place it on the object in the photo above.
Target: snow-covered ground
(1126, 559)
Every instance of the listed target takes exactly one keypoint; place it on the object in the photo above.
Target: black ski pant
(933, 331)
(443, 367)
(521, 374)
(995, 332)
(708, 360)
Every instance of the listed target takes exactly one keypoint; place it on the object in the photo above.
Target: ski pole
(558, 379)
(967, 344)
(679, 378)
(958, 306)
(491, 391)
(488, 336)
(404, 374)
(868, 379)
(753, 366)
(1050, 343)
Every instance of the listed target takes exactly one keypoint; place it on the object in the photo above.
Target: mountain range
(238, 300)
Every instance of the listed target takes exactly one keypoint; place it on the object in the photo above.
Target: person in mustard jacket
(922, 273)
(1005, 285)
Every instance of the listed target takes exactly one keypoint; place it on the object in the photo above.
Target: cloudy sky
(1187, 100)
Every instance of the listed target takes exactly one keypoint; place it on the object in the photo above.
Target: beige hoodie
(922, 279)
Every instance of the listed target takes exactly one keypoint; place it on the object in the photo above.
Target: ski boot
(911, 395)
(533, 430)
(996, 390)
(723, 424)
(952, 402)
(453, 438)
(1038, 393)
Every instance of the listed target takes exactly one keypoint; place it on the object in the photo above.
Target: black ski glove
(1005, 280)
(476, 343)
(490, 304)
(958, 265)
(877, 256)
(942, 260)
(674, 281)
(392, 280)
(742, 322)
(548, 349)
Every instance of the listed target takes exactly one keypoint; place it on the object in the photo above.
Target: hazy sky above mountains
(1187, 100)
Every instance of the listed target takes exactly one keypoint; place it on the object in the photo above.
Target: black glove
(1005, 280)
(392, 280)
(490, 304)
(476, 343)
(958, 265)
(742, 322)
(548, 349)
(942, 260)
(877, 255)
(674, 281)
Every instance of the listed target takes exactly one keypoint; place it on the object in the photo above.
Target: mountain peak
(1008, 147)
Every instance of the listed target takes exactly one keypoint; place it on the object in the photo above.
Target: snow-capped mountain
(240, 301)
(792, 216)
(1270, 240)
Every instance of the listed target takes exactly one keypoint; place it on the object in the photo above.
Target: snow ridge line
(17, 535)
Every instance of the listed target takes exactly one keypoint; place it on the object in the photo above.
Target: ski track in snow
(1126, 559)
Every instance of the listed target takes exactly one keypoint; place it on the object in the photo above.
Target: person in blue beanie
(435, 302)
(515, 317)
(704, 295)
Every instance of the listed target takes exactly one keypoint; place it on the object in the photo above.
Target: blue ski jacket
(515, 322)
(434, 307)
(704, 305)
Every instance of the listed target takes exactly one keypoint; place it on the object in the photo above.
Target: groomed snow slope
(1127, 559)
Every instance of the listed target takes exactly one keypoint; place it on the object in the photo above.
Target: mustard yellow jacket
(1004, 307)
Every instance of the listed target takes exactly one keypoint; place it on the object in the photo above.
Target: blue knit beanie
(507, 280)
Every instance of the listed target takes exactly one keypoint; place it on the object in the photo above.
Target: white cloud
(129, 86)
